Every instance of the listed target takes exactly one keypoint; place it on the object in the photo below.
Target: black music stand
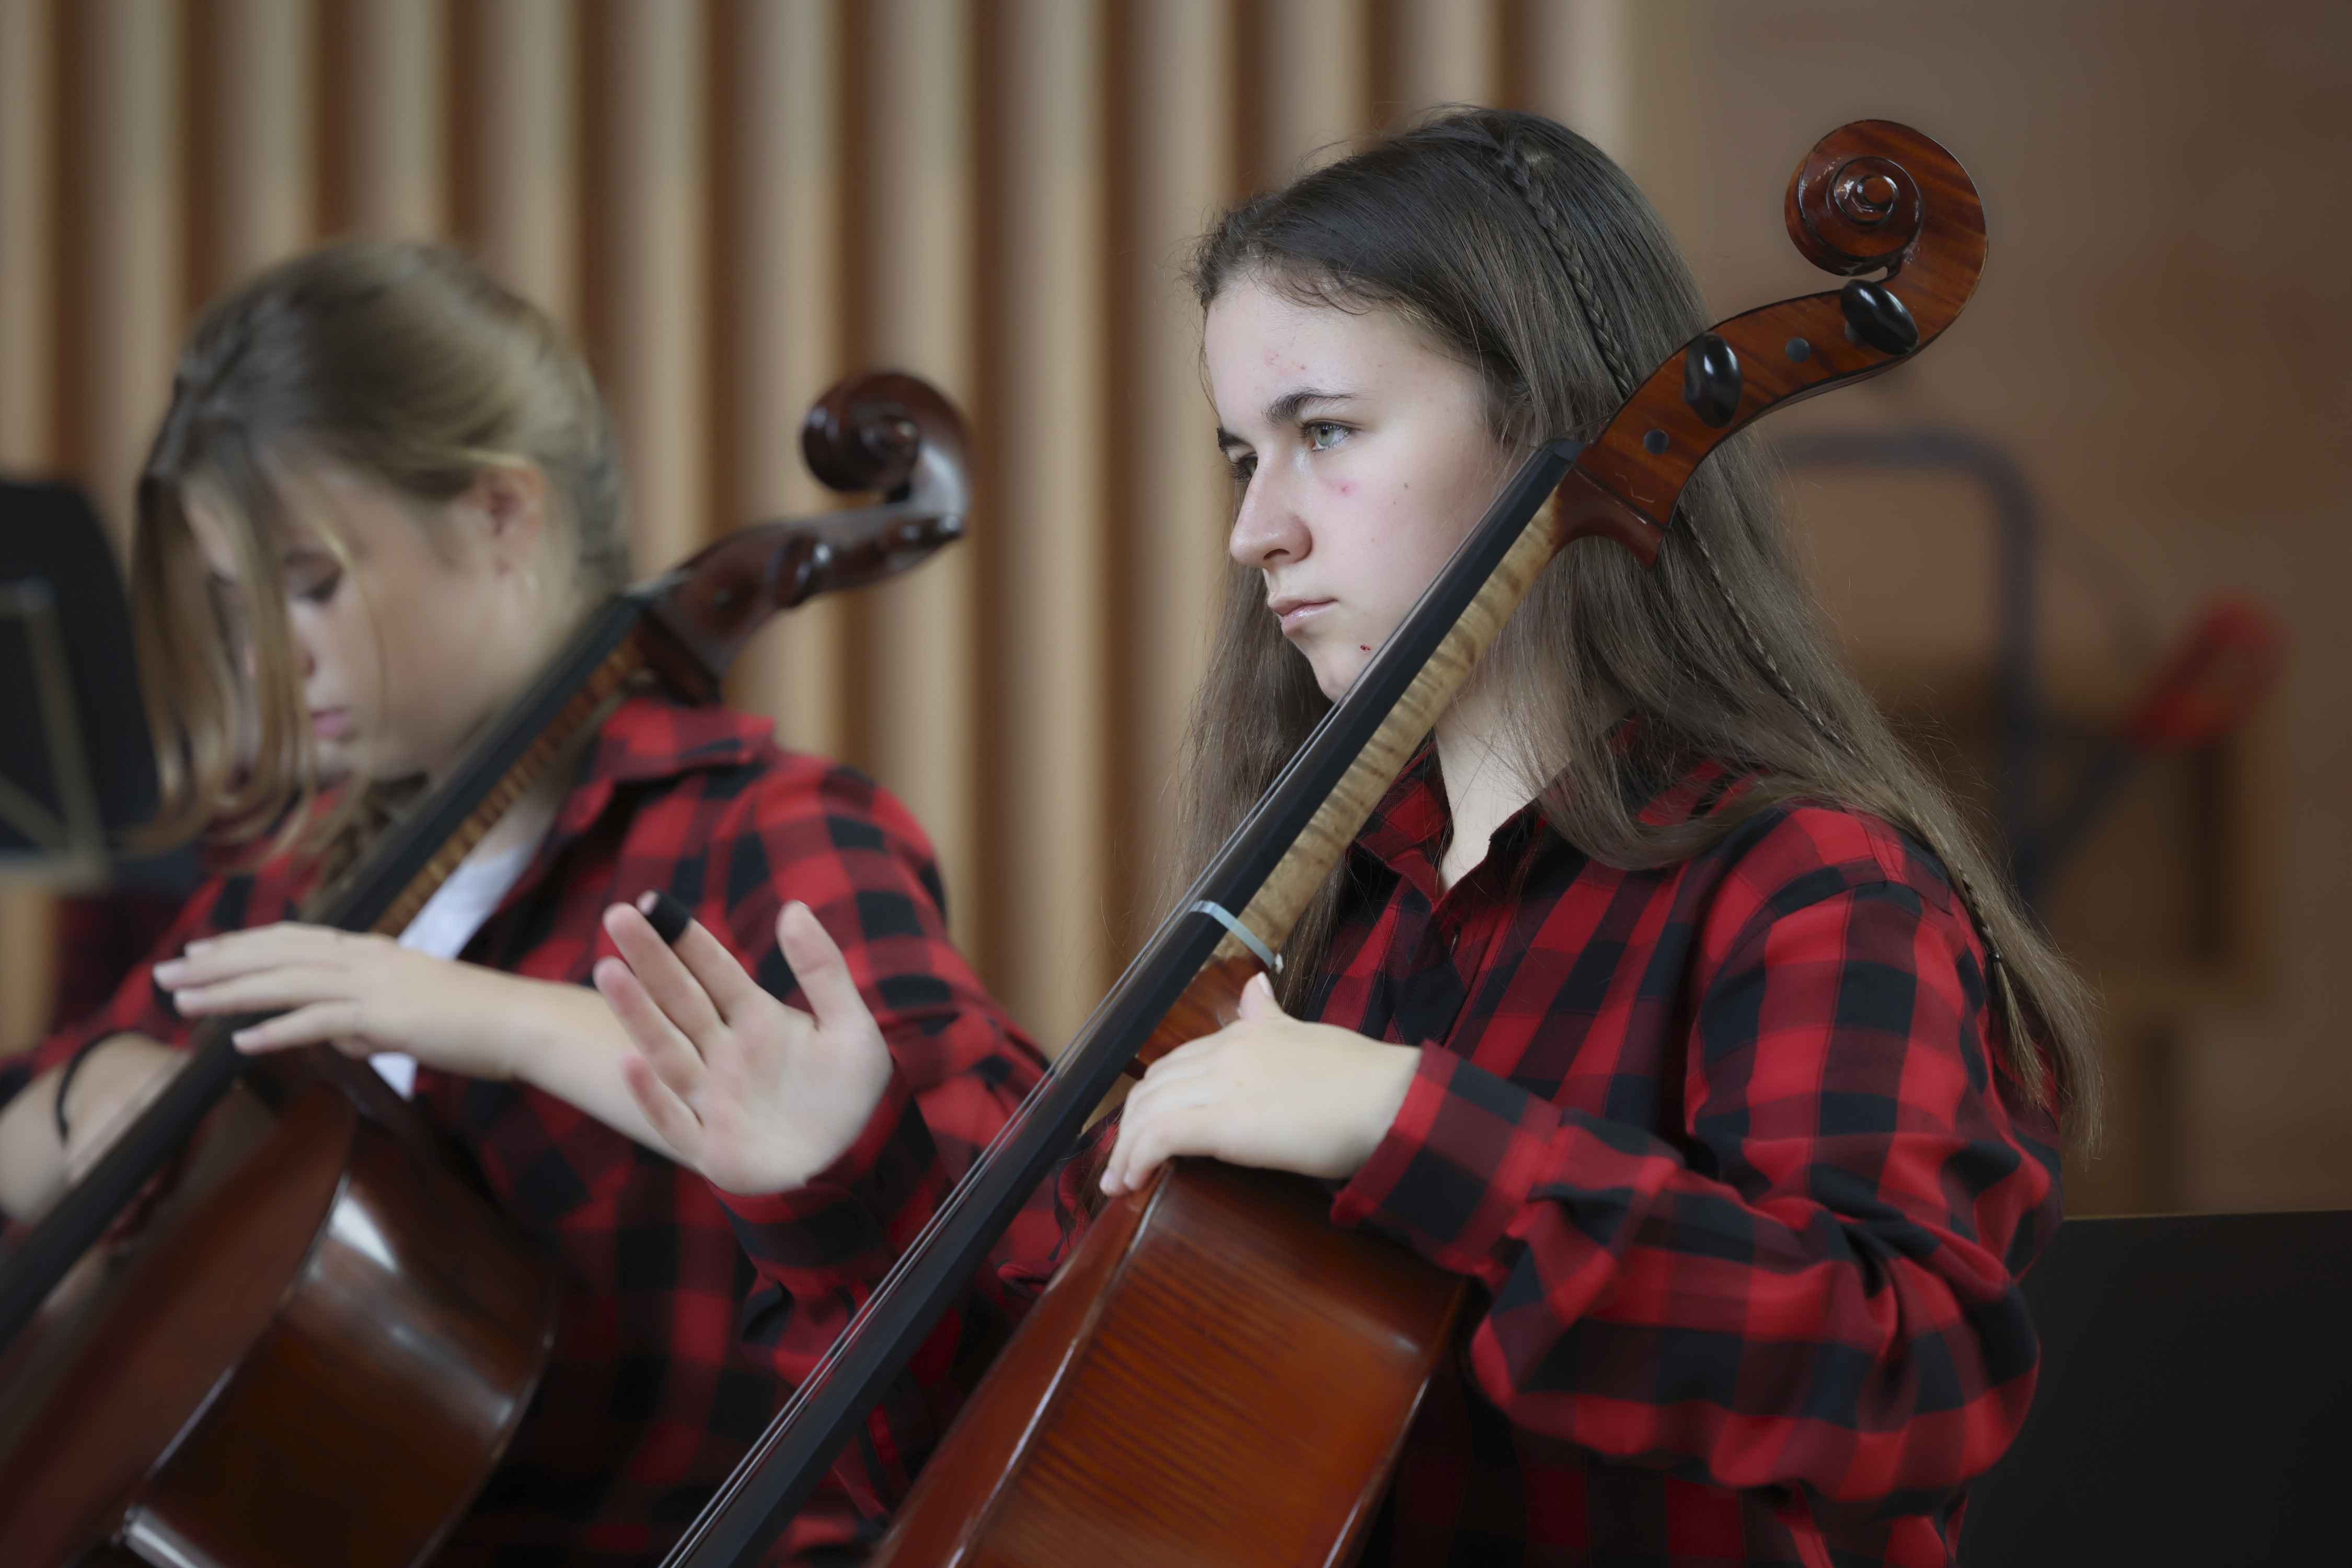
(76, 768)
(2195, 1398)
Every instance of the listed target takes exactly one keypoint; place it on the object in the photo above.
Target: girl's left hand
(1268, 1090)
(361, 994)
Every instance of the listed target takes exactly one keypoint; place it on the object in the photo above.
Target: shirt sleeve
(855, 855)
(1815, 1286)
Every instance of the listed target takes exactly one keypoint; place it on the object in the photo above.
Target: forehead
(1262, 343)
(308, 517)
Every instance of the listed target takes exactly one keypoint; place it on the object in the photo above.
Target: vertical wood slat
(1051, 578)
(916, 689)
(1315, 84)
(648, 288)
(123, 247)
(520, 164)
(28, 155)
(27, 285)
(1580, 54)
(1168, 494)
(255, 190)
(1447, 51)
(780, 296)
(387, 90)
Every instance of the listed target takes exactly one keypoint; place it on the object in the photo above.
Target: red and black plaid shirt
(1726, 1146)
(688, 1313)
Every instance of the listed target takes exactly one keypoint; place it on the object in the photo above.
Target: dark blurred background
(2090, 550)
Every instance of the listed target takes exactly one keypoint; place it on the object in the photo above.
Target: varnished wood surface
(112, 1378)
(1186, 1389)
(314, 1353)
(1934, 236)
(1212, 1001)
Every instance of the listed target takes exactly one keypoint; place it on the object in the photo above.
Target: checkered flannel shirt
(688, 1313)
(1742, 1181)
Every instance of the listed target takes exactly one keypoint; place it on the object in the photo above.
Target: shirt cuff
(852, 1218)
(1455, 1167)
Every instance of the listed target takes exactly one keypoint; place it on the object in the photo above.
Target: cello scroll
(883, 431)
(1873, 194)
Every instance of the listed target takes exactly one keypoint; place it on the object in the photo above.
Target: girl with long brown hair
(384, 496)
(1664, 995)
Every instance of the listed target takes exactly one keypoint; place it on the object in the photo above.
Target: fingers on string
(319, 1022)
(238, 953)
(297, 985)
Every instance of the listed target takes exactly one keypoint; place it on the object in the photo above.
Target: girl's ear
(511, 501)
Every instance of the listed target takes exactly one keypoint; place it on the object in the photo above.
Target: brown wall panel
(648, 304)
(778, 289)
(28, 188)
(253, 177)
(517, 157)
(121, 267)
(1166, 493)
(29, 180)
(1049, 617)
(387, 102)
(916, 690)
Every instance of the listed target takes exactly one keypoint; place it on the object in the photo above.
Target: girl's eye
(315, 587)
(1322, 435)
(1244, 466)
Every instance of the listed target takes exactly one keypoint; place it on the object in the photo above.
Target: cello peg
(1875, 317)
(1711, 381)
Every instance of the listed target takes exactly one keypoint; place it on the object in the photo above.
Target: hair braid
(1571, 257)
(1588, 301)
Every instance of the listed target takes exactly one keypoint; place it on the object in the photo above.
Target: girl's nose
(1267, 529)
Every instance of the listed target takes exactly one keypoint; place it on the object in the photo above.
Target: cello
(276, 1291)
(1117, 1425)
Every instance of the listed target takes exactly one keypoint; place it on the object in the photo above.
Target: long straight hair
(406, 362)
(1517, 247)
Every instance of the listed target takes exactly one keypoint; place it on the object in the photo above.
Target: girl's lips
(1294, 612)
(330, 723)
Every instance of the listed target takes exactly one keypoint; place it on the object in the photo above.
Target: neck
(1484, 787)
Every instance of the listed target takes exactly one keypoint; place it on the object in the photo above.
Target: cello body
(319, 1337)
(1219, 1376)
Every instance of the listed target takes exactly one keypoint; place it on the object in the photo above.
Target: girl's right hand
(758, 1097)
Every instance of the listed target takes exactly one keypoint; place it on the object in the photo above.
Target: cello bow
(883, 431)
(1871, 197)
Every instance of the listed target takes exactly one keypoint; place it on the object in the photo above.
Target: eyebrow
(1284, 409)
